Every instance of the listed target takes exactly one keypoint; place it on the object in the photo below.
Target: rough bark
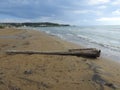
(90, 52)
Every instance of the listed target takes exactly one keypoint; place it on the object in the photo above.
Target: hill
(32, 24)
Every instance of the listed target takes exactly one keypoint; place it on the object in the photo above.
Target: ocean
(105, 38)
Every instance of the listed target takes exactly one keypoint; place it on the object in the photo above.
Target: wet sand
(47, 72)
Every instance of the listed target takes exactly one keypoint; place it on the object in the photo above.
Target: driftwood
(89, 52)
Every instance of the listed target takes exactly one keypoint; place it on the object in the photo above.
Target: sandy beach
(47, 72)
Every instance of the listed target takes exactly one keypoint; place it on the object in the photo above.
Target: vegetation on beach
(1, 27)
(33, 24)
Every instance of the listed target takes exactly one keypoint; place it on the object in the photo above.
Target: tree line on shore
(31, 24)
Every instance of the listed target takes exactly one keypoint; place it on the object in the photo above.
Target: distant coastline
(32, 24)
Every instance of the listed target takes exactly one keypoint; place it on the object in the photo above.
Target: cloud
(116, 12)
(110, 19)
(102, 7)
(71, 11)
(87, 12)
(14, 20)
(35, 8)
(116, 2)
(81, 11)
(38, 19)
(49, 19)
(97, 2)
(28, 9)
(23, 2)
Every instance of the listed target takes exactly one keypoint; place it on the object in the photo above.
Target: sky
(74, 12)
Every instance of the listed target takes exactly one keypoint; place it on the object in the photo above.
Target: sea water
(105, 38)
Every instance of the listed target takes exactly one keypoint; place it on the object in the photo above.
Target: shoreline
(34, 72)
(103, 54)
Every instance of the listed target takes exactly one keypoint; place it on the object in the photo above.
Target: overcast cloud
(76, 12)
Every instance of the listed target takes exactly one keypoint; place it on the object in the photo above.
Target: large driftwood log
(89, 52)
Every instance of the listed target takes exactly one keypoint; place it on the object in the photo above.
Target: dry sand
(47, 72)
